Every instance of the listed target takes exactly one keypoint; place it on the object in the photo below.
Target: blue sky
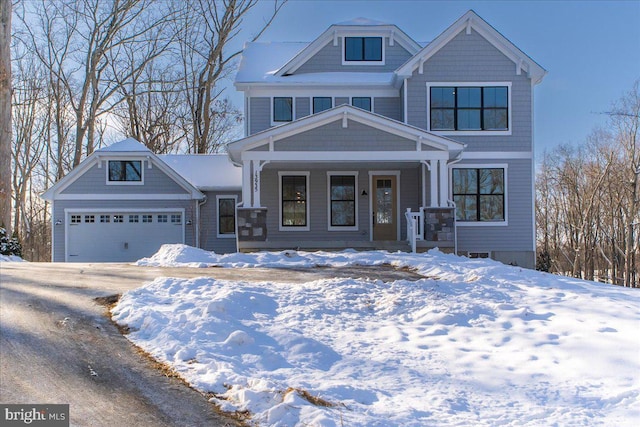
(591, 49)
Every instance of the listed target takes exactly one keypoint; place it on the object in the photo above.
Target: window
(282, 109)
(105, 218)
(226, 216)
(342, 201)
(321, 104)
(176, 219)
(76, 219)
(479, 194)
(125, 170)
(363, 49)
(89, 219)
(162, 218)
(469, 108)
(118, 218)
(147, 218)
(294, 201)
(134, 218)
(361, 102)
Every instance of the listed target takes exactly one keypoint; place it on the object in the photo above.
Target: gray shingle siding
(94, 181)
(333, 137)
(329, 59)
(209, 224)
(259, 114)
(471, 58)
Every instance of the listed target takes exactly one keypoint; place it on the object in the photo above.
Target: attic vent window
(362, 49)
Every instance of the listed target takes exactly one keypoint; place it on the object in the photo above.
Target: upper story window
(479, 194)
(125, 171)
(469, 108)
(321, 103)
(361, 102)
(282, 109)
(363, 49)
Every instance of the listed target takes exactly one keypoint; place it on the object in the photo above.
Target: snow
(126, 145)
(474, 342)
(263, 59)
(10, 258)
(206, 172)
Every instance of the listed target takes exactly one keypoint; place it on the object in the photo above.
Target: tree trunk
(5, 114)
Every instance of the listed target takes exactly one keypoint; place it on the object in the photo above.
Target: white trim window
(321, 103)
(368, 50)
(363, 102)
(469, 108)
(342, 203)
(125, 172)
(282, 109)
(294, 201)
(480, 195)
(226, 208)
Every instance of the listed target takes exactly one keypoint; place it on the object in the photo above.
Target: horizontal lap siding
(388, 107)
(259, 114)
(518, 235)
(94, 181)
(471, 58)
(303, 107)
(318, 203)
(333, 137)
(113, 206)
(329, 59)
(209, 225)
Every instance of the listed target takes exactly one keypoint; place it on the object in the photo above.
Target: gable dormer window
(363, 50)
(124, 171)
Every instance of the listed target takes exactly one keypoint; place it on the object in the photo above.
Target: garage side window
(125, 171)
(226, 217)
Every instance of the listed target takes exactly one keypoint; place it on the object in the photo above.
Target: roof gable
(344, 113)
(359, 26)
(467, 22)
(128, 148)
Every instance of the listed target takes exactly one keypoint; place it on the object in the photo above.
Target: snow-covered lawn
(473, 343)
(10, 258)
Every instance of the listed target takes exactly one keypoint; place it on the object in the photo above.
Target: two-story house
(361, 139)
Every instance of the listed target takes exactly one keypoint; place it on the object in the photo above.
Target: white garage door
(120, 237)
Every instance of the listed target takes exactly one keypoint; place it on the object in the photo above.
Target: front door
(385, 212)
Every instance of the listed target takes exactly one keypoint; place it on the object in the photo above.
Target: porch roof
(438, 146)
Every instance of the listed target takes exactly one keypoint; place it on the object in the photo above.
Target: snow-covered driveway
(57, 345)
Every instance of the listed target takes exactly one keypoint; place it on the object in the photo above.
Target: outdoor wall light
(58, 222)
(189, 222)
(364, 193)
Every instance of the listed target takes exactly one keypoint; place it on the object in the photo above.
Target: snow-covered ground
(10, 258)
(473, 343)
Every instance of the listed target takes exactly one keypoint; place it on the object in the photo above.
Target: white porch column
(444, 182)
(433, 182)
(246, 183)
(256, 185)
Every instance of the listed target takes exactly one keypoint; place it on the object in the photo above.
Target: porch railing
(414, 227)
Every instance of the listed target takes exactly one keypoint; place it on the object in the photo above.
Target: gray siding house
(360, 139)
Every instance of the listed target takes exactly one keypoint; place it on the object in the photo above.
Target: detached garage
(121, 204)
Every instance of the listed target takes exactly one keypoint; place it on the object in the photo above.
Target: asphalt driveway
(57, 344)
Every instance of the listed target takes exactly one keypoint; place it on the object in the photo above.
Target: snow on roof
(262, 59)
(362, 21)
(207, 172)
(126, 145)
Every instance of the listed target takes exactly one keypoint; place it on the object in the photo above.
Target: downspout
(199, 204)
(451, 203)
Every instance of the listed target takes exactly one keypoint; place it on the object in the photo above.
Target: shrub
(9, 245)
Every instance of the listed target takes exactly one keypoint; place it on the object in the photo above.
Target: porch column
(433, 182)
(444, 183)
(246, 183)
(256, 185)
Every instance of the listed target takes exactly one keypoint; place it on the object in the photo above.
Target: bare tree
(205, 32)
(5, 114)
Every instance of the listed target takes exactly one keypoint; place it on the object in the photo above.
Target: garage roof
(207, 172)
